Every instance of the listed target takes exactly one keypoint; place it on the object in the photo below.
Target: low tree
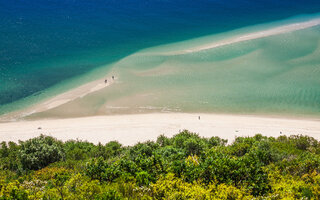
(194, 146)
(163, 141)
(216, 141)
(39, 152)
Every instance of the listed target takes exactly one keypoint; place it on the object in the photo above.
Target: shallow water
(47, 47)
(276, 75)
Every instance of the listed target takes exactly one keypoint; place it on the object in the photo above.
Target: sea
(51, 46)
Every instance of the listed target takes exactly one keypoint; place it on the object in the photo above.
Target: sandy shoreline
(60, 99)
(93, 86)
(250, 36)
(130, 129)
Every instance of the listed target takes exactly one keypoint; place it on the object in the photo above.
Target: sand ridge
(60, 99)
(250, 36)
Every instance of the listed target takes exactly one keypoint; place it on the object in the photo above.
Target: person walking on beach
(199, 117)
(112, 77)
(106, 81)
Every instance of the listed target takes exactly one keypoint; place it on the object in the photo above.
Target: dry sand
(130, 129)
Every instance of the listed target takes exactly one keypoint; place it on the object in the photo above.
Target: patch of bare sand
(130, 129)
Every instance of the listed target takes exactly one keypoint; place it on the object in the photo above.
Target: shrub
(243, 171)
(109, 195)
(14, 191)
(303, 142)
(194, 146)
(170, 187)
(171, 153)
(96, 168)
(78, 150)
(184, 167)
(80, 188)
(216, 141)
(179, 139)
(143, 178)
(9, 158)
(163, 141)
(113, 148)
(143, 149)
(39, 152)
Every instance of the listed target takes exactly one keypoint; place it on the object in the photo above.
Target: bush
(183, 167)
(179, 139)
(194, 146)
(216, 141)
(171, 153)
(96, 168)
(163, 141)
(113, 148)
(14, 191)
(143, 178)
(39, 152)
(303, 142)
(245, 171)
(109, 195)
(9, 158)
(78, 150)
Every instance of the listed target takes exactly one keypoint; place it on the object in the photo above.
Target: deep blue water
(43, 42)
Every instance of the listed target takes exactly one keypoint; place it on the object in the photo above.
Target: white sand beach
(130, 129)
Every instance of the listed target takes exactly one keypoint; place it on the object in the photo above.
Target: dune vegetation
(185, 166)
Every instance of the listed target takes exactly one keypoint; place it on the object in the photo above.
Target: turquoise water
(275, 75)
(47, 47)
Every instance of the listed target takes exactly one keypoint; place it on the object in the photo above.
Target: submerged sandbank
(130, 129)
(251, 36)
(61, 99)
(218, 80)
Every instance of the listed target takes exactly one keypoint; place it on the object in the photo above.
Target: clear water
(47, 47)
(276, 75)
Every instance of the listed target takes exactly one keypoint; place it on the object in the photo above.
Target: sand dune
(130, 129)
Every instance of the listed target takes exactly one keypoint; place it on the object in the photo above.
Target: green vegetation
(185, 166)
